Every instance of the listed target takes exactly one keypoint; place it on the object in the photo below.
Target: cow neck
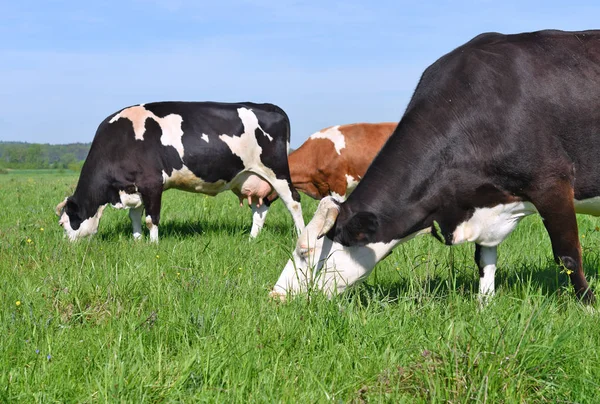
(91, 191)
(406, 184)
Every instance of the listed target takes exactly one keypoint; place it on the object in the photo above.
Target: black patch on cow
(360, 229)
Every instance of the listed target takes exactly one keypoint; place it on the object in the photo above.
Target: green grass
(189, 319)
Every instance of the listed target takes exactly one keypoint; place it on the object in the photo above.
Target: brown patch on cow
(318, 170)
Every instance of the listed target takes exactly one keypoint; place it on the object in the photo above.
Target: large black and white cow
(502, 127)
(206, 147)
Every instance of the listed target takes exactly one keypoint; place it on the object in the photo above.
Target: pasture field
(190, 320)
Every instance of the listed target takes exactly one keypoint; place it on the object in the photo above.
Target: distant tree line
(21, 155)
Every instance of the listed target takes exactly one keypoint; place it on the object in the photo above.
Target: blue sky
(66, 65)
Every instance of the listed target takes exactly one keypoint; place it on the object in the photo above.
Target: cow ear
(71, 206)
(361, 228)
(72, 210)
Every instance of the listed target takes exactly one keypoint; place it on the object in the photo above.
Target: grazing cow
(500, 128)
(205, 147)
(333, 160)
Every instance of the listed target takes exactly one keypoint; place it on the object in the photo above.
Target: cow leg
(151, 197)
(259, 213)
(558, 213)
(486, 258)
(291, 199)
(135, 214)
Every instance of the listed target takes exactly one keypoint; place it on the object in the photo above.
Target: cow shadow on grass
(546, 279)
(180, 229)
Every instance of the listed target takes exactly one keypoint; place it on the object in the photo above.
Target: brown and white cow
(333, 160)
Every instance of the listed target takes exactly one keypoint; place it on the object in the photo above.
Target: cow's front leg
(135, 214)
(556, 207)
(151, 197)
(486, 259)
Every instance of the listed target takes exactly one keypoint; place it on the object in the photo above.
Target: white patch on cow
(153, 229)
(246, 147)
(87, 228)
(259, 214)
(334, 135)
(170, 125)
(172, 132)
(490, 226)
(204, 137)
(487, 261)
(351, 184)
(589, 206)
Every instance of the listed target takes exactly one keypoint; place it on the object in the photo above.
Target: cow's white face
(323, 264)
(329, 267)
(87, 227)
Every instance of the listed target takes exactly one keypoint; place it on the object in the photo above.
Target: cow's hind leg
(486, 258)
(135, 214)
(291, 199)
(555, 205)
(151, 197)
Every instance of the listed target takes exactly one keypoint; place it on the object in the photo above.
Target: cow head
(73, 221)
(320, 260)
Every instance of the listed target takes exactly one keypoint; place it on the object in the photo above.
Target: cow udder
(253, 188)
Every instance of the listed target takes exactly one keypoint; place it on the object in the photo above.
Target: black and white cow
(206, 147)
(500, 128)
